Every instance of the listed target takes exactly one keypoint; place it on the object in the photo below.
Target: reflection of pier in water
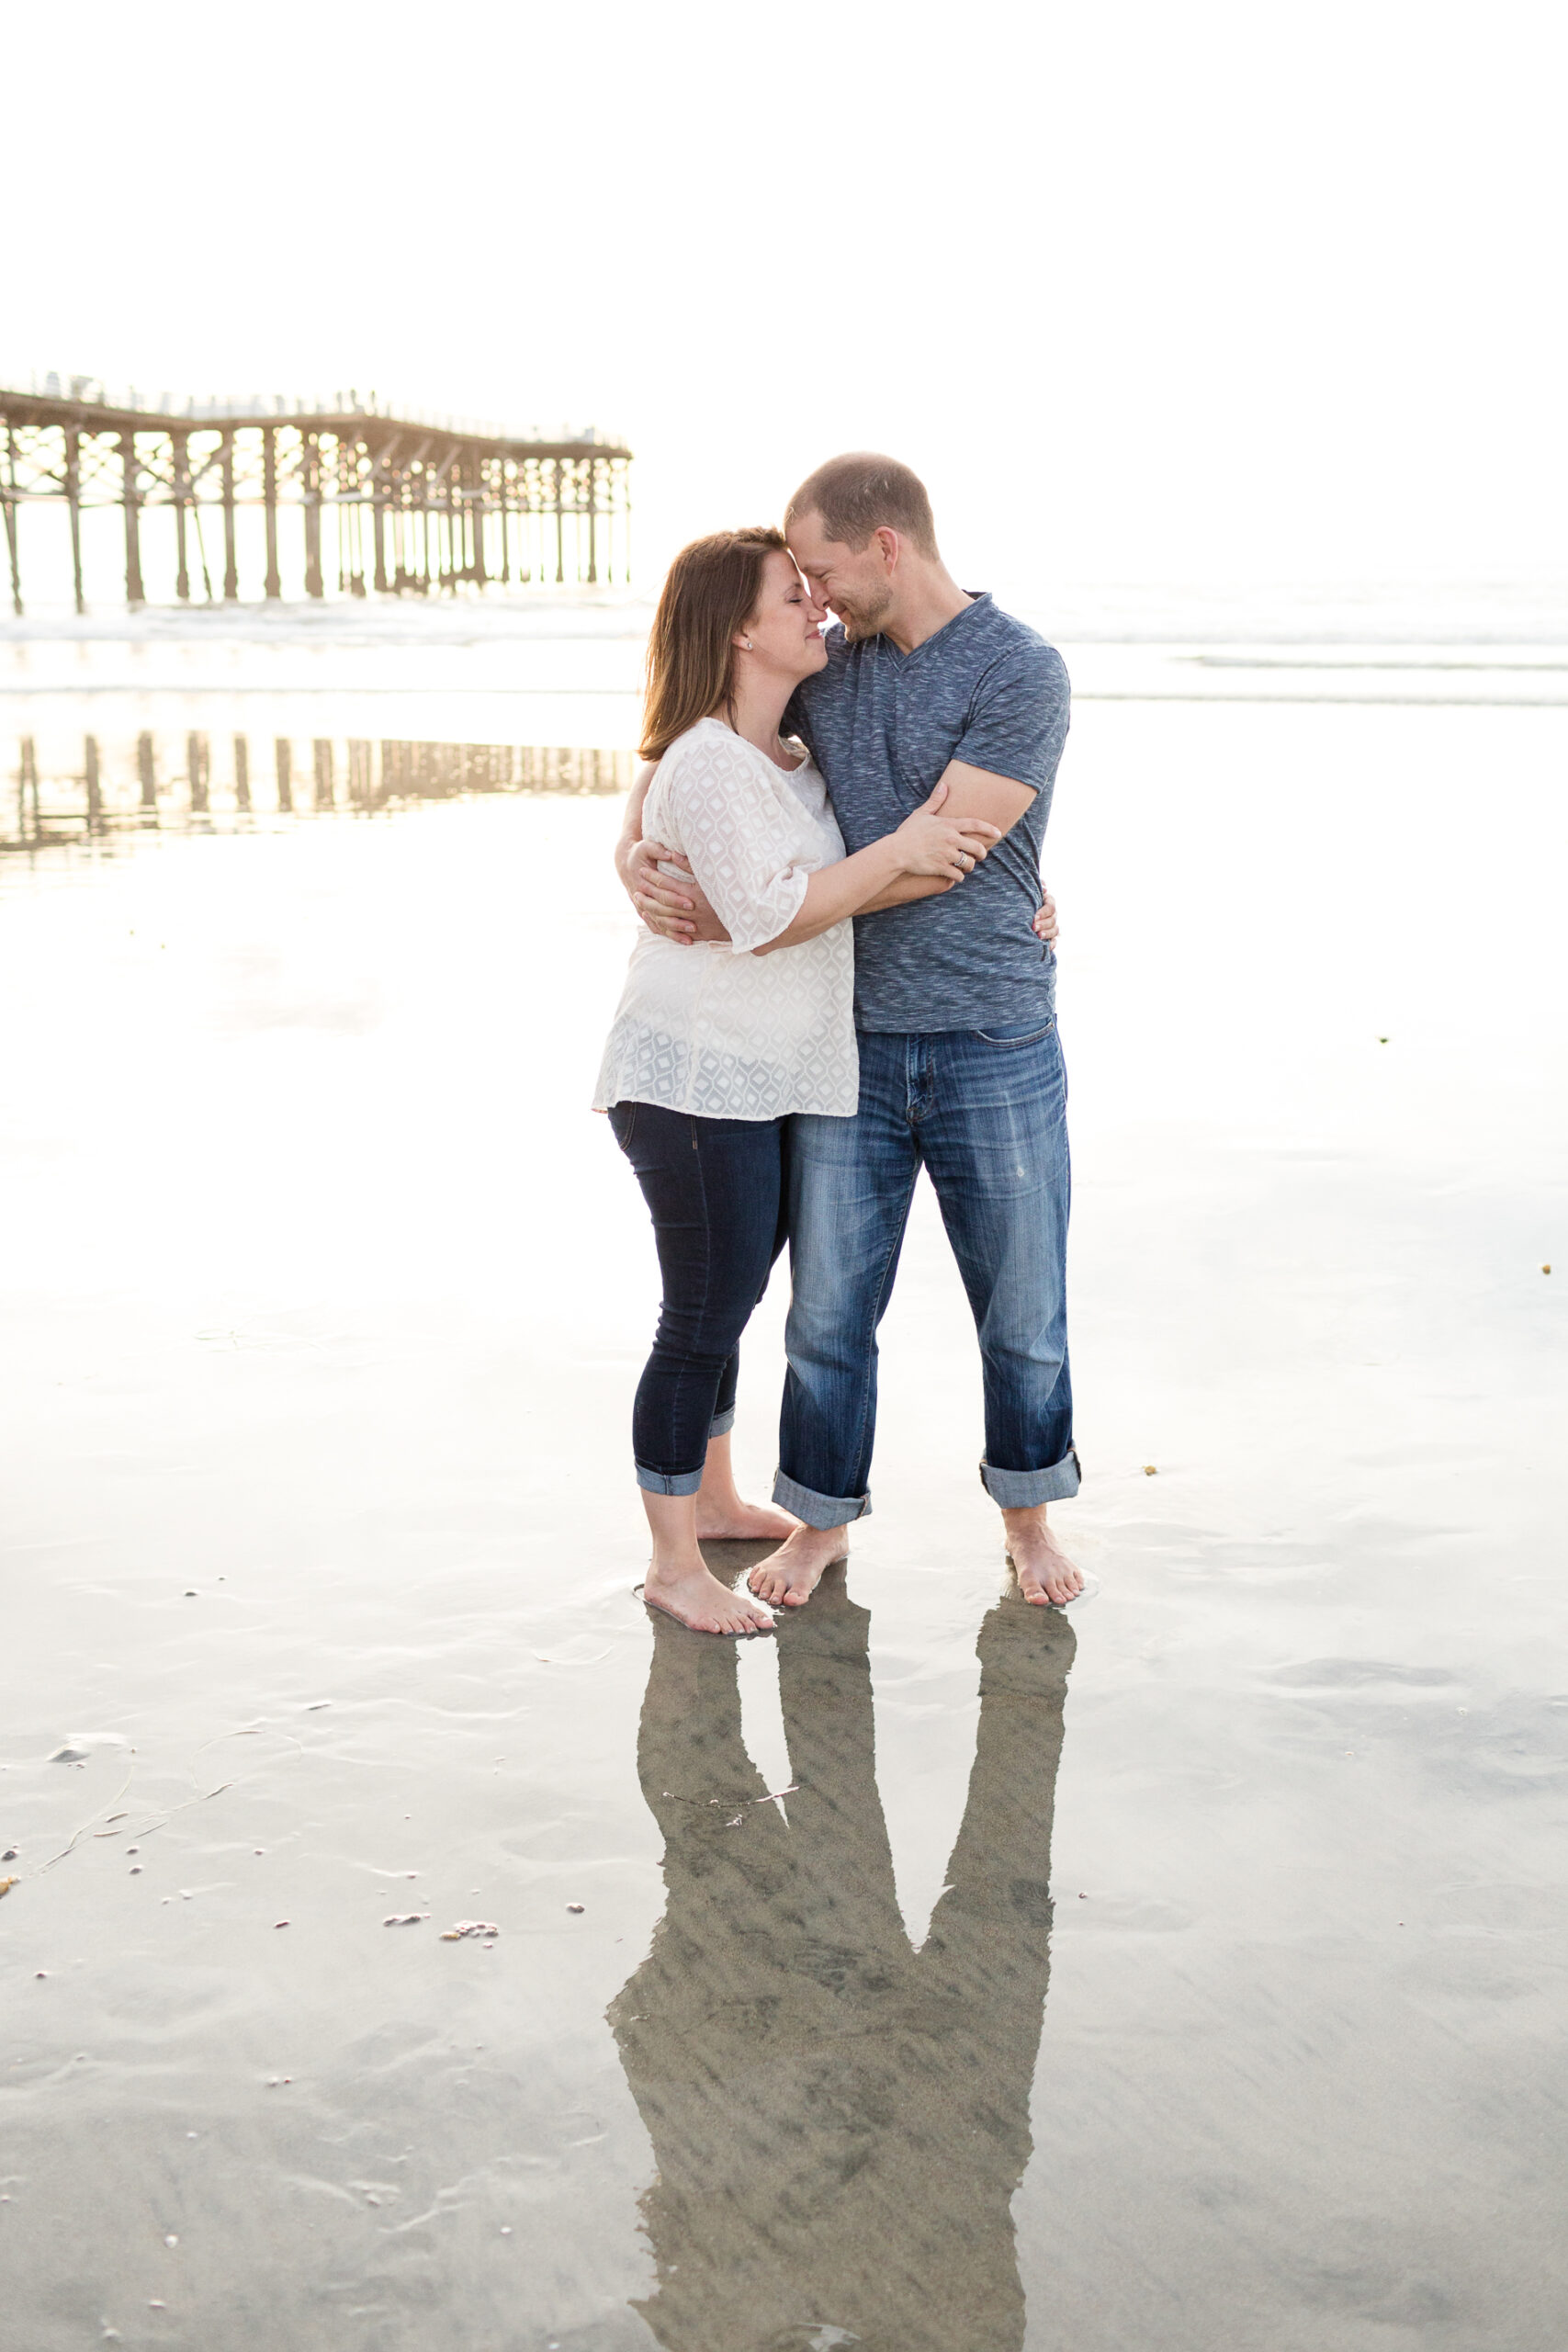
(418, 502)
(178, 780)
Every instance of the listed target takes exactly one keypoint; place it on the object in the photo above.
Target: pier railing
(387, 499)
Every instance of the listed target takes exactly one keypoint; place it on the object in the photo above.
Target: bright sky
(1233, 288)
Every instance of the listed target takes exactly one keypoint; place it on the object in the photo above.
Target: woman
(713, 1048)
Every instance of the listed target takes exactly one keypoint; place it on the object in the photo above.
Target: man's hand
(675, 910)
(1045, 921)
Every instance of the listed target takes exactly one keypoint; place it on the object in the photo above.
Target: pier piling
(9, 490)
(73, 500)
(230, 554)
(133, 500)
(311, 477)
(180, 477)
(274, 585)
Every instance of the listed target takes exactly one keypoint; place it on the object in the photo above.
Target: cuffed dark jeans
(714, 1191)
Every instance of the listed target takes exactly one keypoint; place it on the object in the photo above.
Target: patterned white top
(713, 1029)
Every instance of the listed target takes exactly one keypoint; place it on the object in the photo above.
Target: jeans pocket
(1008, 1039)
(622, 1119)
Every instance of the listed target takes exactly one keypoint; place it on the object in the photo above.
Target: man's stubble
(864, 618)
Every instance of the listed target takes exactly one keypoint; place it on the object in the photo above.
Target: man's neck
(758, 711)
(927, 600)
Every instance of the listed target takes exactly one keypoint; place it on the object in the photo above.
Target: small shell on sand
(468, 1927)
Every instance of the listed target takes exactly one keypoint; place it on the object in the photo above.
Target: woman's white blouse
(714, 1029)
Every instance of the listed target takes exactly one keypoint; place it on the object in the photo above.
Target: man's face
(856, 583)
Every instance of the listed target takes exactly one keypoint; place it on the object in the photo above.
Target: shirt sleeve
(742, 841)
(1018, 720)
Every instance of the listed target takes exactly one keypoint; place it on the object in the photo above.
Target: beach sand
(1185, 1971)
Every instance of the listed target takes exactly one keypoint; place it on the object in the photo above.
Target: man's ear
(887, 540)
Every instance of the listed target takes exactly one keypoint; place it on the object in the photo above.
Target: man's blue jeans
(985, 1114)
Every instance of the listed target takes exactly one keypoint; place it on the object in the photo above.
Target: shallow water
(1188, 1972)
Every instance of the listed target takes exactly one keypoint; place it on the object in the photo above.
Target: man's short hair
(862, 492)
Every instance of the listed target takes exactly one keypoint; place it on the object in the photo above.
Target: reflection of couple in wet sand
(772, 1077)
(840, 2122)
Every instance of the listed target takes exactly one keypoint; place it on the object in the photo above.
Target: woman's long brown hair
(709, 593)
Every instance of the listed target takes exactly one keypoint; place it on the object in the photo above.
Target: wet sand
(1184, 1972)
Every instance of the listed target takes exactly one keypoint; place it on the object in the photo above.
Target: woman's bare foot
(680, 1582)
(696, 1598)
(730, 1520)
(790, 1576)
(722, 1516)
(1046, 1574)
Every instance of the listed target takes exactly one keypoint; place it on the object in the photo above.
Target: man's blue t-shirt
(881, 726)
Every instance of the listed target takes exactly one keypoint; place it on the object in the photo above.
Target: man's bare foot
(696, 1598)
(726, 1519)
(790, 1576)
(1044, 1573)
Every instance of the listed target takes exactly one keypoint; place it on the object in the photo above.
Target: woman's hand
(1045, 919)
(947, 847)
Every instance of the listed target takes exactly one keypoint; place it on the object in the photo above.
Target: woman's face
(785, 629)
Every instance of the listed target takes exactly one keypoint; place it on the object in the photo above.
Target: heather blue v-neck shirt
(881, 726)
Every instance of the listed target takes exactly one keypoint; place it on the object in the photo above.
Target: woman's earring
(746, 643)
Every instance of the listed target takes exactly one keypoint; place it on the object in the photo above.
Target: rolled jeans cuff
(662, 1482)
(722, 1423)
(1021, 1489)
(818, 1510)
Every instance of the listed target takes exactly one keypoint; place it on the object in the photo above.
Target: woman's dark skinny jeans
(715, 1194)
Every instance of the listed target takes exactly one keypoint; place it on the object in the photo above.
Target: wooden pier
(387, 502)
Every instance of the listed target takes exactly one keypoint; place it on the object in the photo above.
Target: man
(960, 1068)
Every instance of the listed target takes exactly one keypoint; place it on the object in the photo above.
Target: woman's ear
(742, 644)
